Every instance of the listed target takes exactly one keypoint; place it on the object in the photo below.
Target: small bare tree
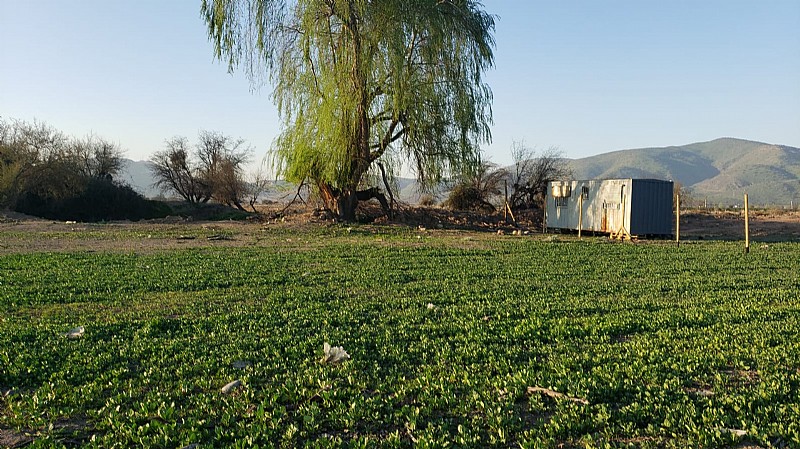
(532, 172)
(96, 157)
(174, 171)
(215, 170)
(221, 166)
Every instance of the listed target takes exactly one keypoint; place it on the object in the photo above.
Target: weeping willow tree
(361, 84)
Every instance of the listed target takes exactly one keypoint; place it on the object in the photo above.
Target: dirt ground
(21, 233)
(765, 225)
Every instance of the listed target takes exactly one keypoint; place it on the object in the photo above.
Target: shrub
(467, 197)
(427, 200)
(99, 200)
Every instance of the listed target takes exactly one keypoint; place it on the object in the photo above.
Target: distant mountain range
(137, 174)
(719, 171)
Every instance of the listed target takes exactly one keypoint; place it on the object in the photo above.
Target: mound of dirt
(10, 216)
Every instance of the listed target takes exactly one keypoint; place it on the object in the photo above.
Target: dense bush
(427, 200)
(44, 172)
(100, 200)
(468, 197)
(477, 188)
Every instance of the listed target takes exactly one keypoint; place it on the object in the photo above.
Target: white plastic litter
(734, 432)
(334, 354)
(231, 386)
(75, 333)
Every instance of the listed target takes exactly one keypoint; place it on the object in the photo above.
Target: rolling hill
(137, 175)
(719, 171)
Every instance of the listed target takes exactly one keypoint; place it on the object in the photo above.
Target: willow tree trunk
(346, 204)
(341, 203)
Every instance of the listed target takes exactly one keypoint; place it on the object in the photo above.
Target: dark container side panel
(651, 207)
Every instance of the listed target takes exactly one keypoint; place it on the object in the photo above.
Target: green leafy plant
(530, 343)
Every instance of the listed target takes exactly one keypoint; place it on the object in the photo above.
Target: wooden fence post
(544, 210)
(678, 219)
(746, 225)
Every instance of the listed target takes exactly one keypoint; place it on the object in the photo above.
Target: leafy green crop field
(650, 344)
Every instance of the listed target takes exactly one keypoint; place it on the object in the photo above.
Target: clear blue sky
(585, 76)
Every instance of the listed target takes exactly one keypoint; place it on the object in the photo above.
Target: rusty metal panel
(604, 222)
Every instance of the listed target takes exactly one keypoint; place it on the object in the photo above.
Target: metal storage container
(639, 206)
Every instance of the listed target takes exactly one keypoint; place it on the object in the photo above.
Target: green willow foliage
(359, 82)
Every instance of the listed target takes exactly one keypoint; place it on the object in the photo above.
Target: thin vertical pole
(746, 225)
(678, 219)
(544, 210)
(623, 213)
(505, 204)
(580, 215)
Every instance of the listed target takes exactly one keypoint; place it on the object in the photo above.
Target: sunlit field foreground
(455, 339)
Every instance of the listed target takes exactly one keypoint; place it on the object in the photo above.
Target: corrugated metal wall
(651, 207)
